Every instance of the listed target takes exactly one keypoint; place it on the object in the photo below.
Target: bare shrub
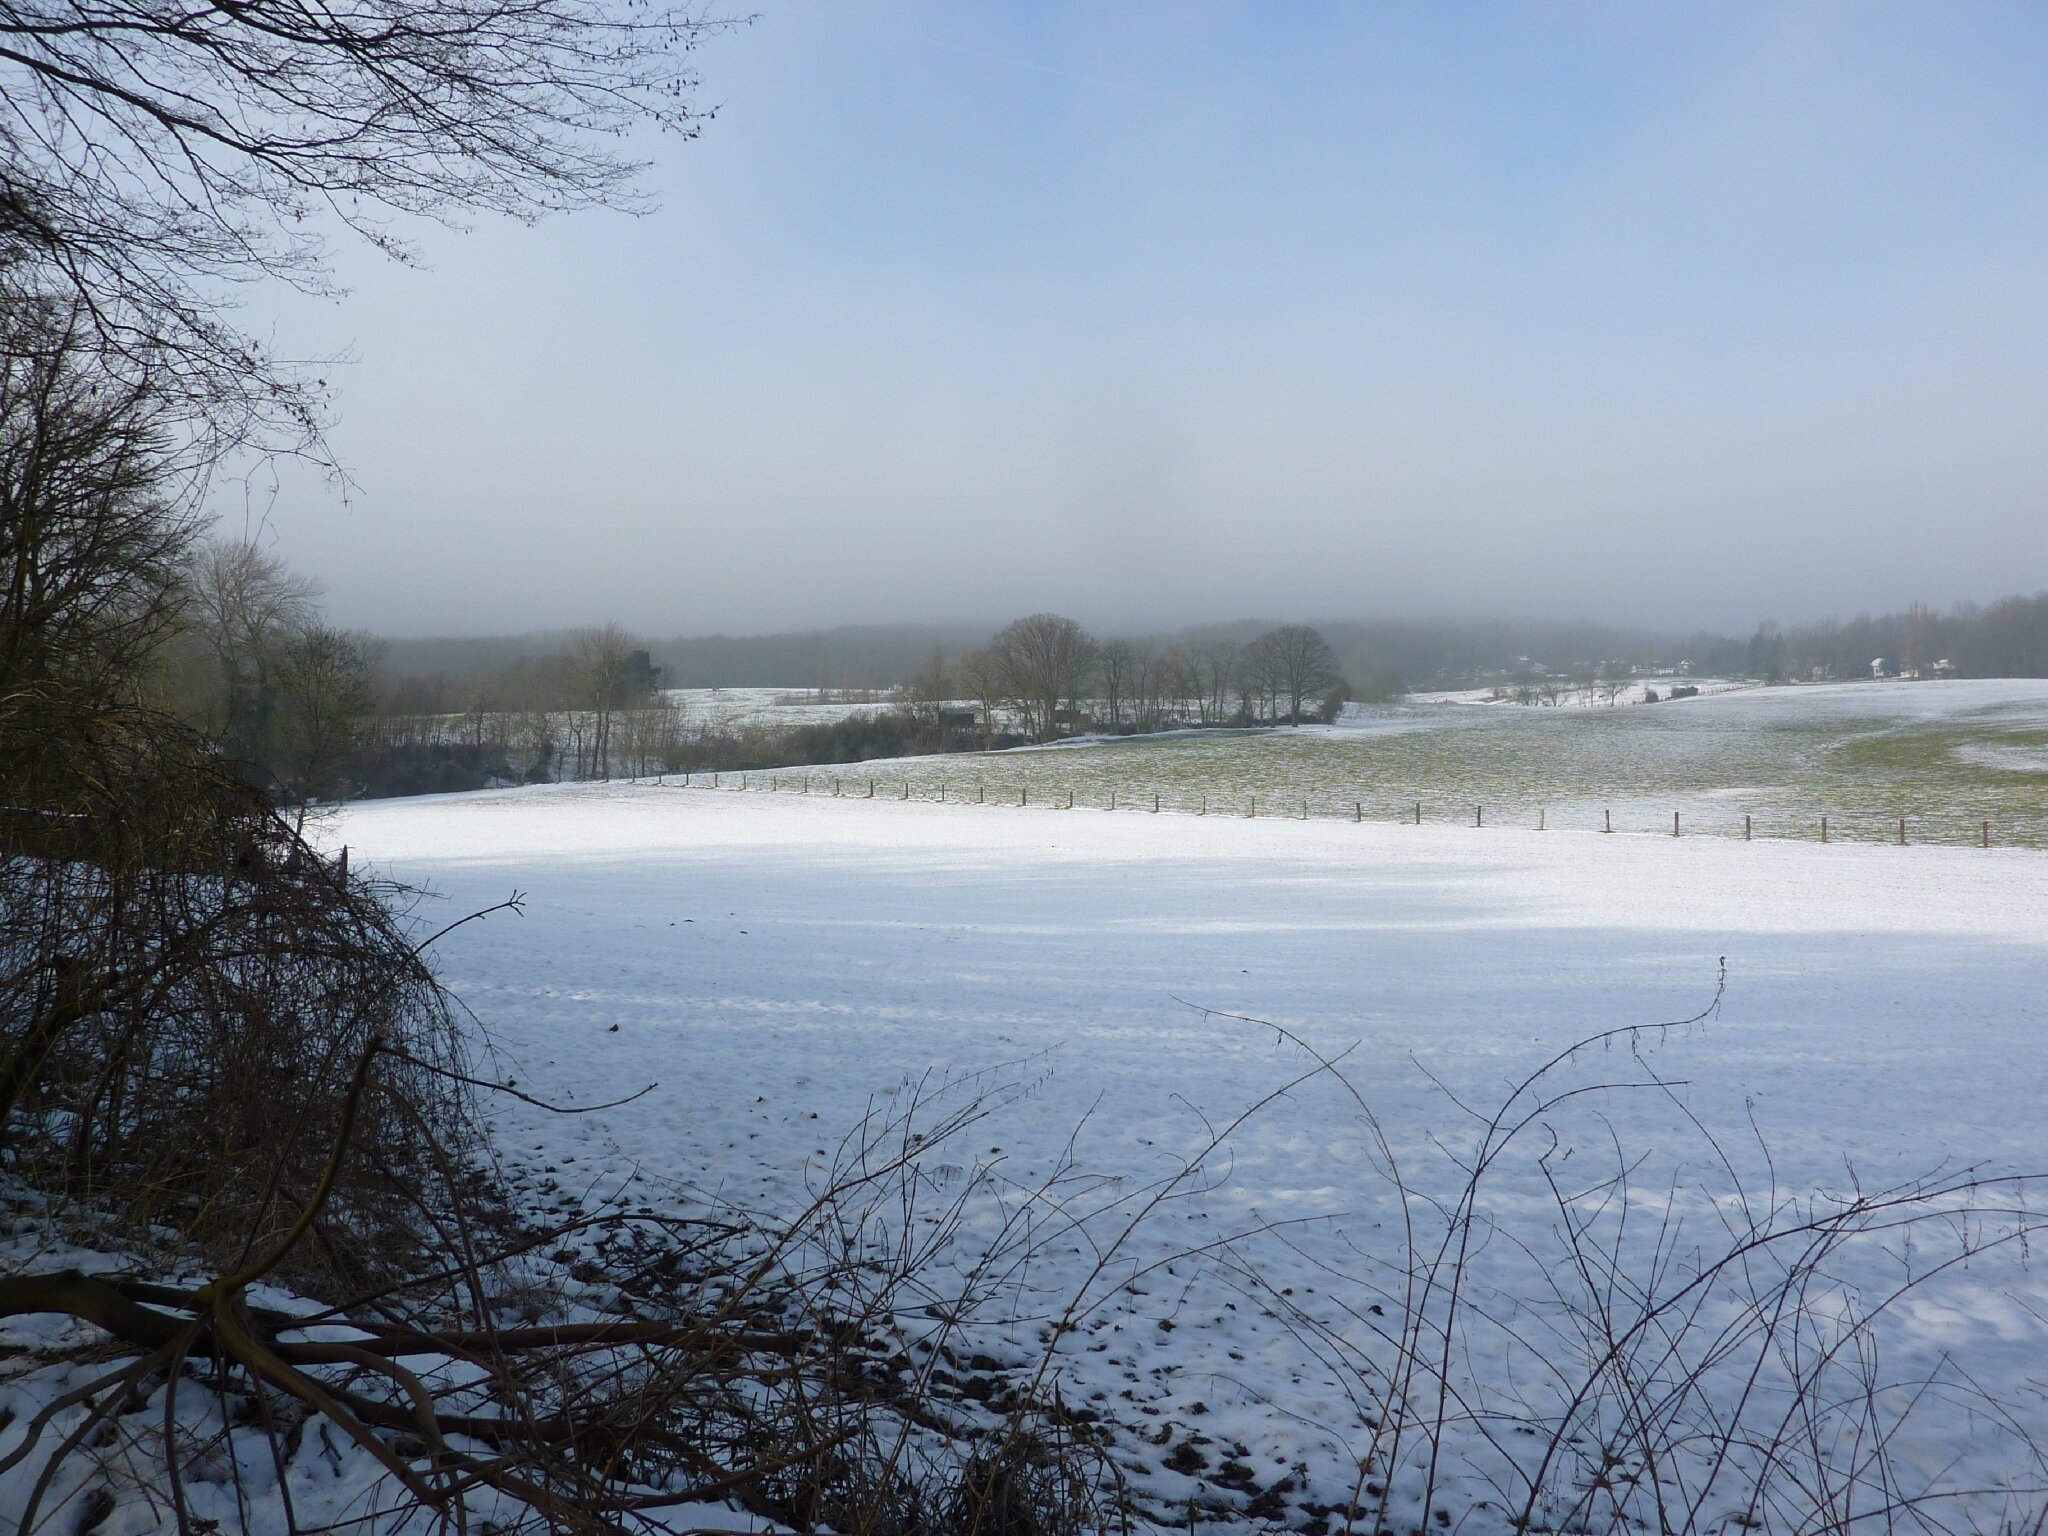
(190, 984)
(602, 1372)
(1704, 1356)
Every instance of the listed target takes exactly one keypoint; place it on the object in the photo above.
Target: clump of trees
(1044, 664)
(1053, 678)
(2007, 638)
(253, 664)
(593, 706)
(589, 707)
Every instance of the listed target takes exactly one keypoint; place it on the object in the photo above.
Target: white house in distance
(1880, 666)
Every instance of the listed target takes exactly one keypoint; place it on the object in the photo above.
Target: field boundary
(1821, 827)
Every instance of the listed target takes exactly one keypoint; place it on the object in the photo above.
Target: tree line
(1047, 676)
(595, 705)
(241, 652)
(2006, 638)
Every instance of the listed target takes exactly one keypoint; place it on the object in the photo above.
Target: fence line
(1816, 827)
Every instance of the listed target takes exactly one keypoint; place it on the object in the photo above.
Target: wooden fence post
(1358, 810)
(1987, 834)
(1902, 831)
(1541, 816)
(1205, 806)
(1155, 802)
(1478, 815)
(1112, 798)
(1418, 813)
(1674, 823)
(1609, 816)
(1745, 828)
(344, 863)
(1823, 829)
(1254, 807)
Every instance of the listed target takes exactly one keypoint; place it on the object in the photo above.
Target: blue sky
(1151, 313)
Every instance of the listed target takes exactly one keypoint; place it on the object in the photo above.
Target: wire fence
(1630, 818)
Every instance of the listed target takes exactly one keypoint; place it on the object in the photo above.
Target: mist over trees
(314, 713)
(113, 601)
(2007, 638)
(1052, 678)
(1378, 659)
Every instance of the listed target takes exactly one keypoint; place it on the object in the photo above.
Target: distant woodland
(242, 652)
(446, 714)
(2007, 638)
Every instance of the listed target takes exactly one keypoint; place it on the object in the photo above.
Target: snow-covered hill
(775, 962)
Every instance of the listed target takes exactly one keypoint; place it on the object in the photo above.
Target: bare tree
(180, 972)
(1144, 663)
(1255, 683)
(154, 156)
(1169, 685)
(245, 606)
(247, 599)
(1213, 672)
(536, 731)
(90, 534)
(981, 676)
(1298, 665)
(1115, 666)
(601, 658)
(1047, 660)
(323, 684)
(925, 695)
(654, 735)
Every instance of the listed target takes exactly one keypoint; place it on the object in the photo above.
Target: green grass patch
(1714, 764)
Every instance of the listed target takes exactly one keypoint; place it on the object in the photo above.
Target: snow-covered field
(732, 709)
(775, 962)
(1582, 696)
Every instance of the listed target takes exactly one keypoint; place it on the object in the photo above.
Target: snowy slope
(775, 960)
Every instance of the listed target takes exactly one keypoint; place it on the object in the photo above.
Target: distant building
(1877, 666)
(1944, 668)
